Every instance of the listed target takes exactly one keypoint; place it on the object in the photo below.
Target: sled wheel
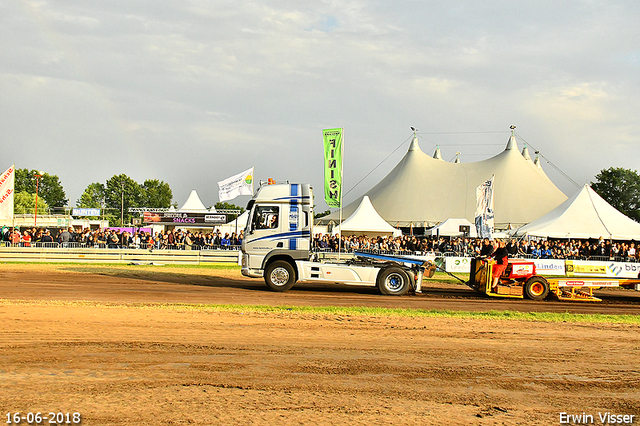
(393, 281)
(536, 288)
(280, 276)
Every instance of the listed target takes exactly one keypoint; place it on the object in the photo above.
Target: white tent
(365, 220)
(194, 205)
(584, 215)
(451, 228)
(422, 191)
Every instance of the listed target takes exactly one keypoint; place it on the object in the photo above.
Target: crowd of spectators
(178, 239)
(174, 239)
(599, 249)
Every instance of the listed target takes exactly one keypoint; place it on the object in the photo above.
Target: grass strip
(350, 311)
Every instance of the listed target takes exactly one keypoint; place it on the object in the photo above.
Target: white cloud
(190, 92)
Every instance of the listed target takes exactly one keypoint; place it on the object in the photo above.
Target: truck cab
(279, 227)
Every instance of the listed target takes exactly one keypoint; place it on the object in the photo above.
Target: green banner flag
(333, 150)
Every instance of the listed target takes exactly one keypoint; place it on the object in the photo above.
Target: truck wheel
(536, 288)
(393, 281)
(280, 276)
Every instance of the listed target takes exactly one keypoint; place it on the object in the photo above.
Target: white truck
(278, 245)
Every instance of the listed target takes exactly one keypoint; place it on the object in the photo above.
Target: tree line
(114, 197)
(618, 186)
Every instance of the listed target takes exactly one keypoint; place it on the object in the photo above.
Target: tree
(156, 194)
(25, 203)
(227, 206)
(322, 214)
(93, 196)
(49, 187)
(122, 192)
(620, 188)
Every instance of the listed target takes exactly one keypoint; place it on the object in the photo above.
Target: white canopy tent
(584, 215)
(365, 220)
(194, 205)
(451, 228)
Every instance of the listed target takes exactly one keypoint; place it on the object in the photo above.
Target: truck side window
(265, 217)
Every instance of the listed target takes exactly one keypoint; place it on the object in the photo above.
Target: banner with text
(7, 186)
(240, 184)
(333, 149)
(484, 209)
(595, 268)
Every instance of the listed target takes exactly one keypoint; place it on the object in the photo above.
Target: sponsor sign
(7, 180)
(178, 218)
(550, 266)
(587, 283)
(457, 264)
(559, 267)
(521, 269)
(85, 212)
(623, 270)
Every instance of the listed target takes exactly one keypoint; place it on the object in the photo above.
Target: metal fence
(149, 255)
(155, 246)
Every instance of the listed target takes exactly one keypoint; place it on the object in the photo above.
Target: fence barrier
(118, 255)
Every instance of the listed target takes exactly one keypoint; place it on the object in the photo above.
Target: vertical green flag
(333, 149)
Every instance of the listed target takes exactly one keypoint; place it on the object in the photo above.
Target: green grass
(350, 311)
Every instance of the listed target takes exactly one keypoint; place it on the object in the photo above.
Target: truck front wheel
(393, 281)
(280, 276)
(536, 288)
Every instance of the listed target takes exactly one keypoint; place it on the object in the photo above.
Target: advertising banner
(85, 212)
(187, 219)
(333, 149)
(561, 267)
(457, 264)
(7, 183)
(240, 184)
(550, 266)
(484, 209)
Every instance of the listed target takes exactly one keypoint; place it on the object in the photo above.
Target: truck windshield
(265, 217)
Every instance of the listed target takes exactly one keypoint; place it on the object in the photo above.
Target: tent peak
(437, 155)
(537, 162)
(414, 145)
(193, 204)
(525, 153)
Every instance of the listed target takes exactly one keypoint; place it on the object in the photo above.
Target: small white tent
(365, 220)
(451, 228)
(584, 215)
(194, 205)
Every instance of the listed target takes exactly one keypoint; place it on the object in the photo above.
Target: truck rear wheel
(280, 276)
(536, 288)
(393, 281)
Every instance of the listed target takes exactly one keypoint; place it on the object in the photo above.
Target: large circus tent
(423, 190)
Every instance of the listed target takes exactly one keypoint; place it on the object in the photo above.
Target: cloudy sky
(191, 92)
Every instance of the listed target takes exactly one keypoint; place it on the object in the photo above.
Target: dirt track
(116, 363)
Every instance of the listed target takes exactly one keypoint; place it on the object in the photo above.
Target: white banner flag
(240, 184)
(484, 209)
(7, 186)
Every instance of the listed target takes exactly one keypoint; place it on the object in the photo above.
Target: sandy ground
(117, 357)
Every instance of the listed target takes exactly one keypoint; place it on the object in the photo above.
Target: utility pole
(38, 175)
(122, 207)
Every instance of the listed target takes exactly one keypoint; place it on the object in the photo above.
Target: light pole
(38, 175)
(122, 206)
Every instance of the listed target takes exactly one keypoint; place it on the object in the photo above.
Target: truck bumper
(249, 272)
(252, 273)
